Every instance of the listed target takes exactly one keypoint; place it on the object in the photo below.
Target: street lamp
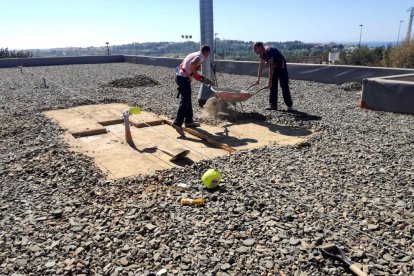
(187, 37)
(107, 47)
(399, 29)
(360, 35)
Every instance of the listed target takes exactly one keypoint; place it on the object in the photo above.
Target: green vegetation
(6, 53)
(401, 56)
(364, 56)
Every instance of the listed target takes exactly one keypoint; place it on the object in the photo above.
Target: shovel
(175, 153)
(206, 81)
(334, 252)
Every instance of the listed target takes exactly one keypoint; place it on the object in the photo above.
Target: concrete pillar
(207, 37)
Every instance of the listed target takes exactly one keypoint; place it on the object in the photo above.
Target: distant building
(333, 57)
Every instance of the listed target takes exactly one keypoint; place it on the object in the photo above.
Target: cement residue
(216, 109)
(212, 107)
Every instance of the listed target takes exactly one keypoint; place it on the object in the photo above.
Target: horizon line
(317, 42)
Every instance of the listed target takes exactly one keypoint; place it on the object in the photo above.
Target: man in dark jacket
(277, 72)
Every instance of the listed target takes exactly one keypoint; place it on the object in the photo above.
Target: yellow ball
(211, 179)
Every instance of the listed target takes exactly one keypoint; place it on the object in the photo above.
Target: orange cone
(128, 136)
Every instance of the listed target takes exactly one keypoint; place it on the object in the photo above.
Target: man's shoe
(178, 129)
(193, 124)
(290, 109)
(271, 108)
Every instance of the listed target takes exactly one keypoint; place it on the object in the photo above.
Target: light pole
(107, 47)
(360, 35)
(399, 29)
(215, 43)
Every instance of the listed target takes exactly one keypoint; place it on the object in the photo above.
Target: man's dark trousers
(185, 110)
(280, 74)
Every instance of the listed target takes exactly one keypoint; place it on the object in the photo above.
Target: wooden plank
(146, 124)
(89, 132)
(111, 122)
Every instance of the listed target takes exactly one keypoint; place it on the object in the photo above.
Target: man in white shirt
(185, 72)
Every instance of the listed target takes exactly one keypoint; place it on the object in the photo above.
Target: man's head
(258, 48)
(205, 50)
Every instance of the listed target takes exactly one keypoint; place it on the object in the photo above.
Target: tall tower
(410, 23)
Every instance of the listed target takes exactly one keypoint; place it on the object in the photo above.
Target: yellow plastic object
(189, 201)
(211, 178)
(134, 110)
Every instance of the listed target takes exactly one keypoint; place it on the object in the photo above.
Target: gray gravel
(59, 215)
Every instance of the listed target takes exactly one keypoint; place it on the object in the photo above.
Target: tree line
(6, 53)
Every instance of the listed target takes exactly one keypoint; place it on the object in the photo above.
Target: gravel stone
(249, 242)
(275, 207)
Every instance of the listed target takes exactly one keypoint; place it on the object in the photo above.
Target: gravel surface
(275, 206)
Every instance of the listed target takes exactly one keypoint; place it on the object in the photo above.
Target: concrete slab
(390, 94)
(119, 159)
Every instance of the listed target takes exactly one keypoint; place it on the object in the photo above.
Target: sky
(40, 24)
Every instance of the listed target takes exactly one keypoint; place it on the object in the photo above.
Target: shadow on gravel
(288, 130)
(303, 116)
(236, 116)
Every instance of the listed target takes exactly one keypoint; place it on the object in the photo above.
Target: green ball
(211, 179)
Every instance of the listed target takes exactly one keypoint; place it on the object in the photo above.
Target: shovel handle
(263, 88)
(355, 269)
(249, 87)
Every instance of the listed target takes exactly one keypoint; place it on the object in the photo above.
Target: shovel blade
(176, 153)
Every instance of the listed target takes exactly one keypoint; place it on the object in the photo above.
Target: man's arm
(260, 70)
(194, 65)
(272, 67)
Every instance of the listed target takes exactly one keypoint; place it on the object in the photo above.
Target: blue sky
(28, 24)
